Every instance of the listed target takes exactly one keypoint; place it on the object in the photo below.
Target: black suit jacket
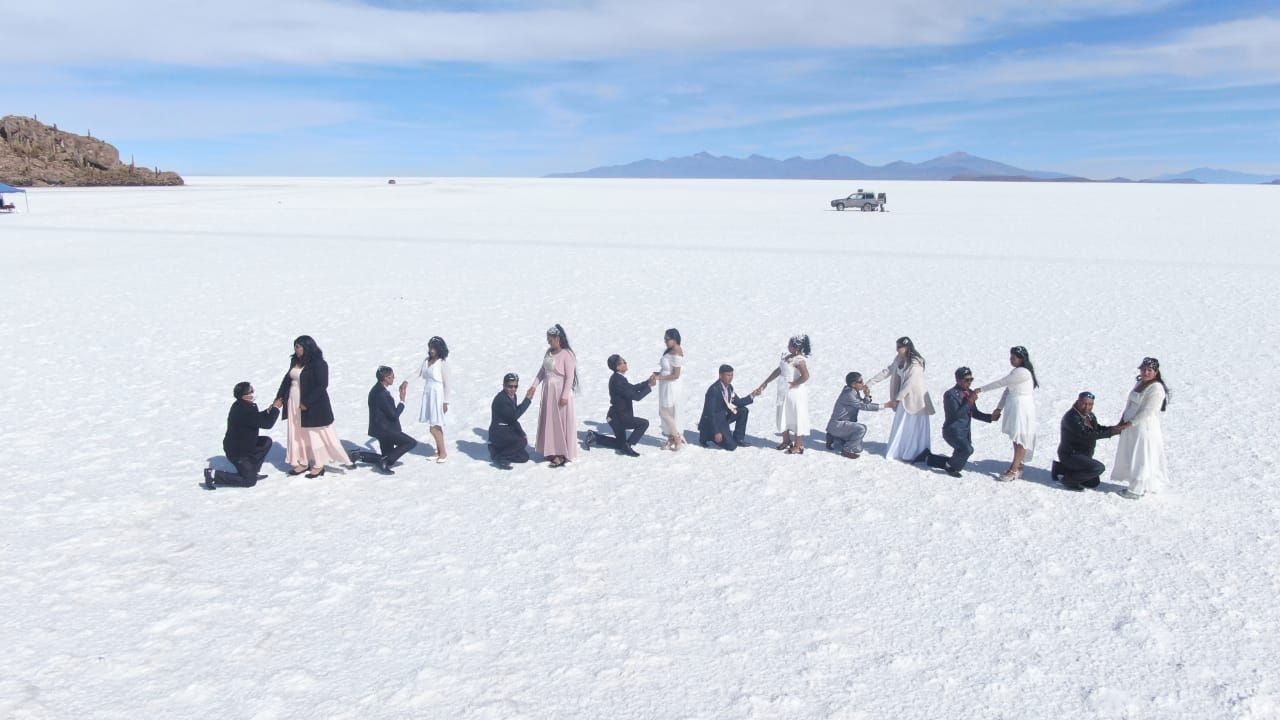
(715, 414)
(622, 394)
(506, 414)
(384, 412)
(243, 423)
(1080, 434)
(313, 385)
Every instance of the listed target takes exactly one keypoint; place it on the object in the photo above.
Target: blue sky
(528, 87)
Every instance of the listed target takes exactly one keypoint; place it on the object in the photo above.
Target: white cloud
(1238, 52)
(327, 32)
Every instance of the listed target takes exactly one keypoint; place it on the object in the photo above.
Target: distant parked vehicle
(862, 200)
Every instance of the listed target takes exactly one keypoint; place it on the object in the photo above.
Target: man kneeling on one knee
(1075, 467)
(959, 404)
(242, 444)
(384, 422)
(622, 417)
(843, 427)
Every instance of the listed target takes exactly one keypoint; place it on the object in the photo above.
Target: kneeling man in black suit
(384, 421)
(724, 414)
(244, 448)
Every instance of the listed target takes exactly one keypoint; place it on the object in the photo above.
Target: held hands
(995, 414)
(404, 389)
(756, 392)
(653, 379)
(277, 403)
(530, 392)
(302, 407)
(890, 405)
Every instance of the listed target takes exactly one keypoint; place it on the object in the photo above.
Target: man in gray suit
(843, 427)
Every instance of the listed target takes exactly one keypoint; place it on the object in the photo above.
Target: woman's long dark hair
(801, 342)
(564, 345)
(1021, 353)
(310, 351)
(1159, 378)
(671, 334)
(442, 350)
(912, 353)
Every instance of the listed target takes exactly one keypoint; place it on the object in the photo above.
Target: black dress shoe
(743, 443)
(262, 477)
(1072, 485)
(1092, 483)
(954, 473)
(922, 457)
(502, 465)
(383, 468)
(629, 452)
(590, 439)
(208, 480)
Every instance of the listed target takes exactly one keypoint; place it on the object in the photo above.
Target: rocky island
(35, 154)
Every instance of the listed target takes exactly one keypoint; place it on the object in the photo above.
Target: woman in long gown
(793, 394)
(304, 392)
(436, 392)
(557, 421)
(669, 368)
(1017, 409)
(1140, 458)
(909, 438)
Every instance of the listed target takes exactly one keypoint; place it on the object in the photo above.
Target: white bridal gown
(793, 403)
(1140, 459)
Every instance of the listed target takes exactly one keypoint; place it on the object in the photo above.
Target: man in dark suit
(1075, 467)
(508, 442)
(384, 421)
(960, 409)
(622, 417)
(721, 409)
(242, 444)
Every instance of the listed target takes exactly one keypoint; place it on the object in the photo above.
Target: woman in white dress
(1140, 459)
(1017, 409)
(670, 366)
(793, 394)
(909, 399)
(436, 392)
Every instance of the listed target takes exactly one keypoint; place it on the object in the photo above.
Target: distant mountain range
(956, 166)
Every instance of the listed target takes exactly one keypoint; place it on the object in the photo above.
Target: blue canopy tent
(11, 190)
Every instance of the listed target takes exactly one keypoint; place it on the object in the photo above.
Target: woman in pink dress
(304, 391)
(557, 421)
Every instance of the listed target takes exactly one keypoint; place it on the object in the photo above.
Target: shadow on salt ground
(691, 439)
(1038, 476)
(603, 429)
(476, 450)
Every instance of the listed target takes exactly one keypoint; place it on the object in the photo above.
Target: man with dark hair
(384, 421)
(843, 427)
(242, 444)
(1075, 467)
(508, 442)
(960, 407)
(621, 417)
(724, 414)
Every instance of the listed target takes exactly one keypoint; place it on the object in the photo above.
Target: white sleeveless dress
(793, 403)
(669, 394)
